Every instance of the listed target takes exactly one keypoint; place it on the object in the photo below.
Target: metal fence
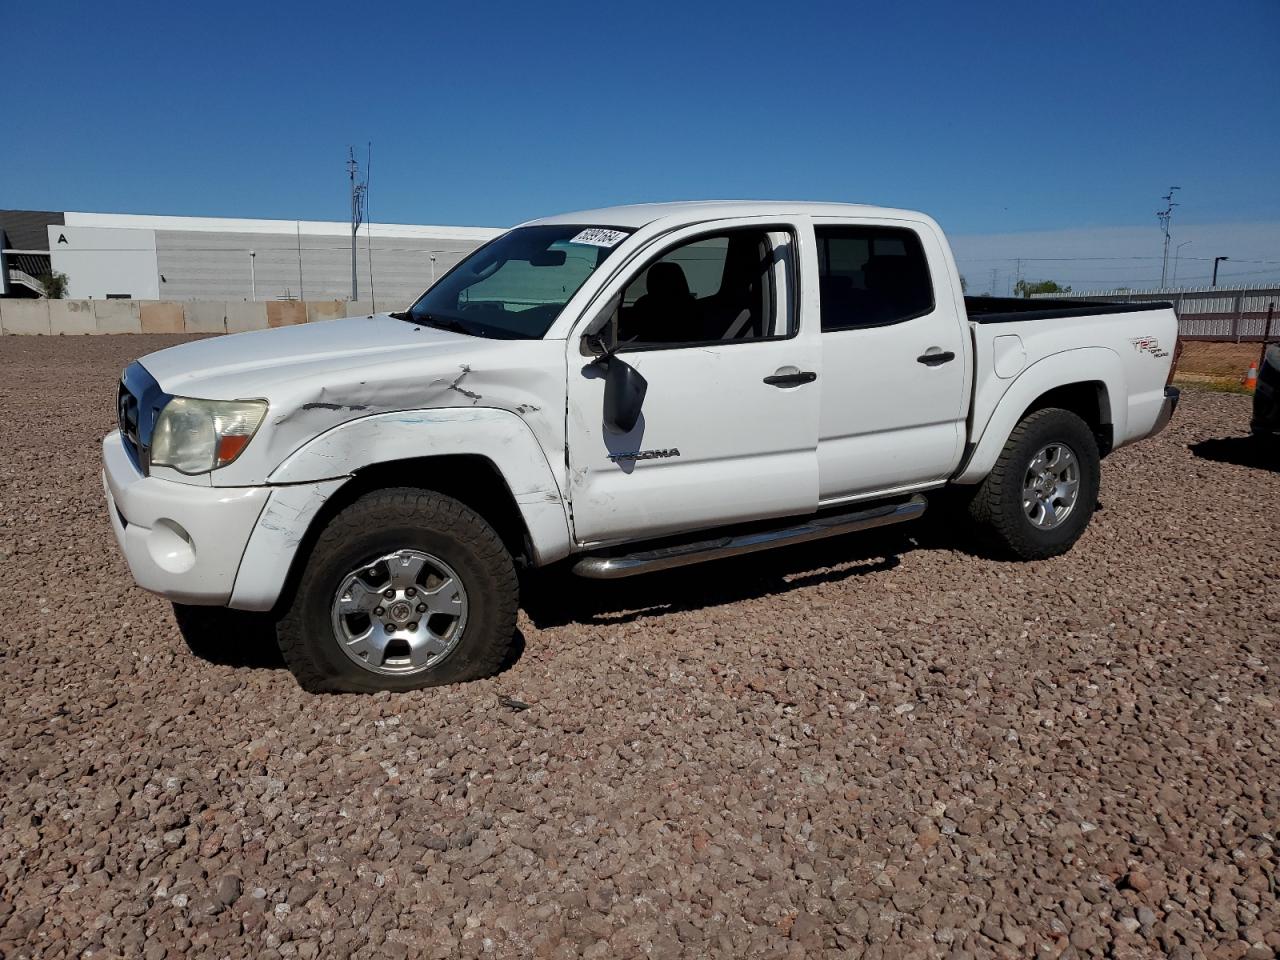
(1240, 314)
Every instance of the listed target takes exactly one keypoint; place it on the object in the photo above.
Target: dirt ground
(1219, 366)
(874, 747)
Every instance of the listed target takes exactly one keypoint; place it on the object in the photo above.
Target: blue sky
(997, 118)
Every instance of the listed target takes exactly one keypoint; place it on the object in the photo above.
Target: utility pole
(253, 277)
(993, 281)
(1216, 261)
(1164, 216)
(357, 213)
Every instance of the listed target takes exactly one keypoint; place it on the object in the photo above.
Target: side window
(725, 287)
(871, 276)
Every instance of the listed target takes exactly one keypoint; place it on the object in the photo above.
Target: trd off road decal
(1149, 345)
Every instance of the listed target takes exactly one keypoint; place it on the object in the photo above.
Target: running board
(663, 558)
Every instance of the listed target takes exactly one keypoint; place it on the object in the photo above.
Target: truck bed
(1020, 309)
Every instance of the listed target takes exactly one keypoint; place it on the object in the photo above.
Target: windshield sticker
(599, 237)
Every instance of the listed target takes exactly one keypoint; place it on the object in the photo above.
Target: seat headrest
(667, 280)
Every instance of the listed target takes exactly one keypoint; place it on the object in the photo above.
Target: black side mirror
(624, 390)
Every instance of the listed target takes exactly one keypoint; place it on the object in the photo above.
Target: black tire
(235, 638)
(380, 523)
(997, 507)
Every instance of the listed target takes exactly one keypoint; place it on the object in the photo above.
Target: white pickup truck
(634, 388)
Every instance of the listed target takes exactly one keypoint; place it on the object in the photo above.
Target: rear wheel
(1043, 489)
(405, 588)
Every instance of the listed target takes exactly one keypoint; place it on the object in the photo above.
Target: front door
(728, 426)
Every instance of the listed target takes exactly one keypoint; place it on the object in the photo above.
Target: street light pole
(1177, 251)
(253, 277)
(1216, 261)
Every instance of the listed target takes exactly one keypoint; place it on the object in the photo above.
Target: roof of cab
(634, 216)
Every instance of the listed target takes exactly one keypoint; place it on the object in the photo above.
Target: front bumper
(182, 541)
(1171, 397)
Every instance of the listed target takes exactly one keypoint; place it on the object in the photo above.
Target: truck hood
(257, 363)
(316, 376)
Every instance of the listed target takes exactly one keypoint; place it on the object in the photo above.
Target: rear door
(895, 359)
(728, 432)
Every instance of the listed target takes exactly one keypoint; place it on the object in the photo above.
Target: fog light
(171, 547)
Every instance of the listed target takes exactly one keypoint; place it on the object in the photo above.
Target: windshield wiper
(440, 323)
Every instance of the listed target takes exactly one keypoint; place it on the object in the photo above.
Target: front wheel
(405, 589)
(1043, 489)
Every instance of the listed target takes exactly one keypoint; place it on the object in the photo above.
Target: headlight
(196, 436)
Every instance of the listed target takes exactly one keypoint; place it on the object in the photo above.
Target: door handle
(933, 359)
(791, 379)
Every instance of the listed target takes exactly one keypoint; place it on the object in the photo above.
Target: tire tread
(1008, 529)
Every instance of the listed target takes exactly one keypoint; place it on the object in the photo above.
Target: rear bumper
(1171, 397)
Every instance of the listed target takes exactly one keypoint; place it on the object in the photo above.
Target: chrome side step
(678, 555)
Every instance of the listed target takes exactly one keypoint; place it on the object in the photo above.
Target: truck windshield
(515, 286)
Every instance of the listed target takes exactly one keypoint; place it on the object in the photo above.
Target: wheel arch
(1089, 382)
(487, 458)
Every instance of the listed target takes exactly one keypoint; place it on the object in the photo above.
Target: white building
(109, 255)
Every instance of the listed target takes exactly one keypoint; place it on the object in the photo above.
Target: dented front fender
(501, 436)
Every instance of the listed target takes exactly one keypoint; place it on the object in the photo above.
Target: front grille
(127, 419)
(138, 403)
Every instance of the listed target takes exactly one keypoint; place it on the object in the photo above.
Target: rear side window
(871, 276)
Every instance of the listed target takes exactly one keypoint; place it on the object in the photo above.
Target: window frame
(914, 234)
(793, 294)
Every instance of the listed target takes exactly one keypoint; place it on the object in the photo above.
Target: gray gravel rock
(875, 747)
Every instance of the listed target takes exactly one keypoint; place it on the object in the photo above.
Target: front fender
(1084, 365)
(316, 470)
(500, 436)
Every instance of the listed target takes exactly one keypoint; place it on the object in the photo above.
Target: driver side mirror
(624, 391)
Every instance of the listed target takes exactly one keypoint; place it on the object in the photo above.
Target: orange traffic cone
(1250, 380)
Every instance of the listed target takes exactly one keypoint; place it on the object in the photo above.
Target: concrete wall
(71, 317)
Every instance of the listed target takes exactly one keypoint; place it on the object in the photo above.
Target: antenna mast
(358, 192)
(1164, 216)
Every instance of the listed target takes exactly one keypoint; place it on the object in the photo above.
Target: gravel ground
(881, 747)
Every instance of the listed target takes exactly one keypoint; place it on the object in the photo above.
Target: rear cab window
(871, 276)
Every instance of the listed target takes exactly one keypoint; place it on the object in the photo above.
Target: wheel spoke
(423, 646)
(1066, 459)
(370, 646)
(1065, 493)
(445, 598)
(405, 569)
(1050, 514)
(358, 598)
